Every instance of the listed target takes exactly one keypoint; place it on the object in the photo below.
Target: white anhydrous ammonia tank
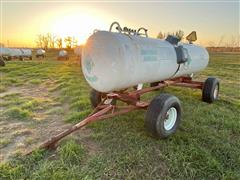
(5, 52)
(113, 61)
(62, 53)
(40, 52)
(26, 52)
(15, 52)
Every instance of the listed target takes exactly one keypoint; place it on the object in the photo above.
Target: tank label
(186, 54)
(186, 65)
(88, 66)
(149, 54)
(91, 78)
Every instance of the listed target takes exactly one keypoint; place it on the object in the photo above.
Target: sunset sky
(21, 21)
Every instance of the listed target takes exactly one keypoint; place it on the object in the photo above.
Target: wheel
(96, 98)
(210, 90)
(2, 63)
(163, 116)
(5, 58)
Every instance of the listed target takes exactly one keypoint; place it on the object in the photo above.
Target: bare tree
(74, 42)
(59, 42)
(51, 39)
(45, 40)
(179, 34)
(220, 41)
(160, 35)
(68, 41)
(39, 41)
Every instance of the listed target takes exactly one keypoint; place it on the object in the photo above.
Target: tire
(96, 98)
(210, 90)
(2, 63)
(156, 121)
(4, 58)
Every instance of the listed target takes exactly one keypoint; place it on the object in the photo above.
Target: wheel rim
(215, 93)
(108, 101)
(170, 119)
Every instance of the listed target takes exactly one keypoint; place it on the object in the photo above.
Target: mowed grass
(206, 146)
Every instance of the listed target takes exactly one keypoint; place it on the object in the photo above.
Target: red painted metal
(131, 98)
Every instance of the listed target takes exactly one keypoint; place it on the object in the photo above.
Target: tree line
(232, 42)
(179, 34)
(49, 40)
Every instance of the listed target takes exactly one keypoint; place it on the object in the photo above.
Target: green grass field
(39, 97)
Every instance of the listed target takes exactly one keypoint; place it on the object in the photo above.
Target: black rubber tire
(5, 58)
(156, 115)
(2, 63)
(96, 98)
(208, 90)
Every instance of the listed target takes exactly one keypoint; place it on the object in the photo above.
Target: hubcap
(215, 93)
(170, 119)
(108, 101)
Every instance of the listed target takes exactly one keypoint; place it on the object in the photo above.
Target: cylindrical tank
(40, 52)
(114, 61)
(63, 53)
(26, 52)
(15, 52)
(5, 51)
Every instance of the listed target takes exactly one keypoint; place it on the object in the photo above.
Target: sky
(216, 22)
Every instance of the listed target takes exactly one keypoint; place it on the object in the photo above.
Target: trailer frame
(132, 100)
